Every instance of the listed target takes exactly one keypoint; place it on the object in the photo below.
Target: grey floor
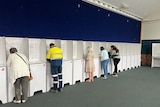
(139, 87)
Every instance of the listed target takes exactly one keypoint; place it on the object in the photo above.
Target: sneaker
(115, 75)
(23, 101)
(104, 77)
(17, 101)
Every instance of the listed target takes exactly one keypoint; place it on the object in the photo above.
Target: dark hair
(101, 48)
(112, 46)
(115, 48)
(13, 50)
(51, 44)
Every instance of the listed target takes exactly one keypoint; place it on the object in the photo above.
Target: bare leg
(90, 77)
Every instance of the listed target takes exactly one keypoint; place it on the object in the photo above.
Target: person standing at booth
(19, 74)
(104, 61)
(90, 67)
(55, 56)
(114, 52)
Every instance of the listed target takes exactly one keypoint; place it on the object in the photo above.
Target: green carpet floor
(139, 87)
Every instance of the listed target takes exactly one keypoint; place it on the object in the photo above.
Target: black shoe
(60, 89)
(53, 91)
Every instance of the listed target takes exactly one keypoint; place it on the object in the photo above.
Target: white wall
(151, 27)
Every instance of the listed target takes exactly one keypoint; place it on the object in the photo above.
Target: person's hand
(49, 60)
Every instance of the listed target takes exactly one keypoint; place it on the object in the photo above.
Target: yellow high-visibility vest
(54, 53)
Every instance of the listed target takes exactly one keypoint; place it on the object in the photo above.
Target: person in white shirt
(19, 74)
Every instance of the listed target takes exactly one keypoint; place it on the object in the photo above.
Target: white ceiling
(139, 8)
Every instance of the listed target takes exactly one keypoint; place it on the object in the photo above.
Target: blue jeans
(56, 71)
(104, 65)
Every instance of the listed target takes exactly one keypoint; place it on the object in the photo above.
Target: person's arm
(48, 56)
(101, 55)
(48, 60)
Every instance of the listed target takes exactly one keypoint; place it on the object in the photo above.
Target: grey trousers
(21, 83)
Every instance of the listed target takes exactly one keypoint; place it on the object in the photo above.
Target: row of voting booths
(74, 53)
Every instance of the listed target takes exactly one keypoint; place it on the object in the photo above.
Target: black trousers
(116, 61)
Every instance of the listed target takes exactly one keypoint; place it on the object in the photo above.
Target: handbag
(30, 74)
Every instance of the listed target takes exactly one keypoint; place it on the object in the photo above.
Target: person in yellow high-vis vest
(55, 56)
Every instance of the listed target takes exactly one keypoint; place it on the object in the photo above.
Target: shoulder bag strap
(21, 58)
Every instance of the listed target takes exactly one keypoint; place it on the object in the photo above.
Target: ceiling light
(112, 8)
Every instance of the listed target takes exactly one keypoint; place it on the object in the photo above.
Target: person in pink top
(90, 67)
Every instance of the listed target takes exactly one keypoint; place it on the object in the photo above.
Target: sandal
(88, 81)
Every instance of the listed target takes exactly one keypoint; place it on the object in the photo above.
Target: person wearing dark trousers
(114, 54)
(19, 75)
(54, 56)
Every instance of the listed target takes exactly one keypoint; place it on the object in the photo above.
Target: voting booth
(38, 83)
(138, 52)
(155, 54)
(132, 55)
(3, 72)
(124, 56)
(3, 85)
(128, 55)
(96, 52)
(37, 60)
(49, 80)
(67, 48)
(22, 46)
(2, 52)
(135, 55)
(77, 61)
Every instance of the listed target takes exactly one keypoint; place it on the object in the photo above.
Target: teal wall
(147, 46)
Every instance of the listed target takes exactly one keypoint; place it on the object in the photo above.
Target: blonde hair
(89, 49)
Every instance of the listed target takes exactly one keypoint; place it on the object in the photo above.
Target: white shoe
(23, 101)
(17, 101)
(115, 75)
(104, 78)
